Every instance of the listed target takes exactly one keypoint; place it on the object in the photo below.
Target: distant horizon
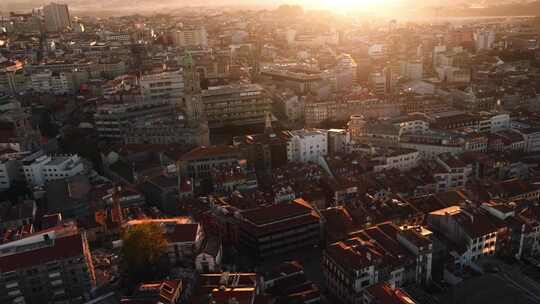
(400, 9)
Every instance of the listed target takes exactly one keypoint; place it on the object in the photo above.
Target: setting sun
(349, 5)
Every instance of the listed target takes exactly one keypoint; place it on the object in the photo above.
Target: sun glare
(344, 6)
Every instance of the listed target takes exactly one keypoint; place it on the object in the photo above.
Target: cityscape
(265, 152)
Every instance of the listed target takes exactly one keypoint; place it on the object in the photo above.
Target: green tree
(143, 252)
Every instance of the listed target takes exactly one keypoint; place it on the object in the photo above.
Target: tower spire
(268, 123)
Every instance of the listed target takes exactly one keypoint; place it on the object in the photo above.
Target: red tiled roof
(183, 233)
(7, 135)
(210, 151)
(383, 293)
(63, 248)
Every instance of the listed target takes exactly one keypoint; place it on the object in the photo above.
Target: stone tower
(192, 103)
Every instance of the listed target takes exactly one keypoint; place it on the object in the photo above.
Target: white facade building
(494, 123)
(532, 139)
(49, 82)
(412, 70)
(190, 37)
(307, 145)
(475, 233)
(451, 173)
(39, 168)
(378, 82)
(345, 72)
(484, 40)
(401, 159)
(10, 170)
(294, 107)
(163, 85)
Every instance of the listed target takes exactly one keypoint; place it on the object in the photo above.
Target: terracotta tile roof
(62, 248)
(383, 293)
(210, 151)
(183, 233)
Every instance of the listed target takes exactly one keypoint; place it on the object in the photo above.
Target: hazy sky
(342, 6)
(104, 4)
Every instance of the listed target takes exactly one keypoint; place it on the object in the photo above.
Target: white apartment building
(453, 74)
(412, 70)
(294, 107)
(115, 36)
(190, 37)
(532, 139)
(163, 85)
(411, 124)
(450, 173)
(50, 82)
(345, 72)
(401, 159)
(351, 266)
(10, 169)
(307, 145)
(378, 82)
(494, 123)
(39, 168)
(484, 39)
(473, 231)
(56, 17)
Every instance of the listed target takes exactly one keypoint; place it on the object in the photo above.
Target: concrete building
(338, 140)
(379, 83)
(190, 37)
(301, 81)
(472, 230)
(532, 139)
(52, 266)
(275, 229)
(10, 169)
(167, 84)
(401, 159)
(199, 162)
(264, 151)
(307, 145)
(412, 69)
(381, 253)
(451, 173)
(39, 168)
(235, 105)
(484, 39)
(112, 120)
(13, 79)
(50, 82)
(56, 17)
